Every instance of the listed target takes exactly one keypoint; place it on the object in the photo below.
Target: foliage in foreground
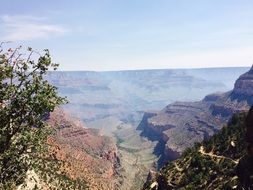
(26, 99)
(208, 165)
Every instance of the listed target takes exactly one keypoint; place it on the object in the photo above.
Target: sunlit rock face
(181, 124)
(243, 88)
(91, 156)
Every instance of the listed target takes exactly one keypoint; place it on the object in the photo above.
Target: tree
(26, 99)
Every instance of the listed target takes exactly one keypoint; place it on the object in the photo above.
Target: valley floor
(137, 158)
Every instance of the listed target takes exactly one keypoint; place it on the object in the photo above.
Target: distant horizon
(197, 68)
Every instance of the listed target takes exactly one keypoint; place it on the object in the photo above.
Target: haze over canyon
(123, 106)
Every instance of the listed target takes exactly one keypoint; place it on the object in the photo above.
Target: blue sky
(133, 34)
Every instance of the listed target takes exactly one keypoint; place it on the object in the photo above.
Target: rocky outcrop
(212, 164)
(243, 89)
(91, 156)
(181, 124)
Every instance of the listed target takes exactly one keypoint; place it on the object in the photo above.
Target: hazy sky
(133, 34)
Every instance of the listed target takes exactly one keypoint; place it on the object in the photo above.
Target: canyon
(122, 134)
(182, 124)
(221, 162)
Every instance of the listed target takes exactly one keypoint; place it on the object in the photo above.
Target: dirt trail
(211, 154)
(178, 168)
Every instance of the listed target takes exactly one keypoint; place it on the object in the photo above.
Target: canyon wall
(91, 156)
(181, 124)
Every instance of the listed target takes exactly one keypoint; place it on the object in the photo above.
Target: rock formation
(181, 124)
(244, 87)
(91, 156)
(218, 163)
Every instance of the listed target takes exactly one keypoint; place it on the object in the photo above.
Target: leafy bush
(26, 99)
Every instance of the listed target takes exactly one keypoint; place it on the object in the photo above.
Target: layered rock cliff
(244, 87)
(91, 156)
(221, 162)
(181, 124)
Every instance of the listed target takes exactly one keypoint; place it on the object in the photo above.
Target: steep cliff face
(208, 165)
(181, 124)
(90, 155)
(244, 87)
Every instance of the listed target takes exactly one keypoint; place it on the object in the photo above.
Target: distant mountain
(181, 124)
(212, 164)
(125, 95)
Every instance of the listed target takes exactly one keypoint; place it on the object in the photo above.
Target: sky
(103, 35)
